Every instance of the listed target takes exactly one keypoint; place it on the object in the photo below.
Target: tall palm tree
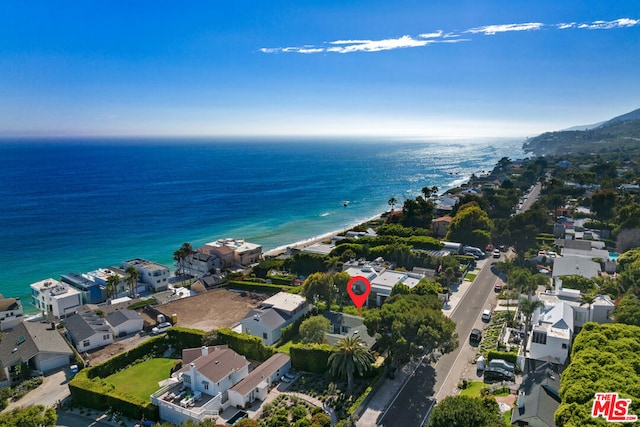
(181, 255)
(112, 285)
(527, 308)
(429, 191)
(588, 299)
(351, 357)
(392, 202)
(132, 279)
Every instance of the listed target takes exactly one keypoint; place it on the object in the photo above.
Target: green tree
(628, 310)
(247, 422)
(392, 202)
(429, 191)
(340, 282)
(527, 308)
(313, 329)
(112, 285)
(412, 325)
(350, 358)
(470, 225)
(603, 203)
(132, 279)
(30, 416)
(318, 286)
(587, 299)
(181, 255)
(465, 411)
(320, 420)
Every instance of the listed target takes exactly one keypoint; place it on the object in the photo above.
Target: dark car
(476, 335)
(494, 373)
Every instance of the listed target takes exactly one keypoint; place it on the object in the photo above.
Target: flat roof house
(87, 331)
(154, 275)
(92, 292)
(54, 298)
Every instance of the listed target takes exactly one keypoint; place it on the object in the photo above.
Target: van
(486, 315)
(475, 252)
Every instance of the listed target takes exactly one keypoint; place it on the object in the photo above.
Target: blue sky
(401, 68)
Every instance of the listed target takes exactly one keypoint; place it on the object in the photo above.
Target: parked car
(161, 328)
(496, 253)
(486, 315)
(492, 374)
(476, 335)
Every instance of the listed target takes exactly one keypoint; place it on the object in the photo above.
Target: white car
(162, 327)
(486, 315)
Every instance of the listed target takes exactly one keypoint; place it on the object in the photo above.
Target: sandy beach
(315, 239)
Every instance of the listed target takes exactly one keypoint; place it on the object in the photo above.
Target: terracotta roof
(8, 304)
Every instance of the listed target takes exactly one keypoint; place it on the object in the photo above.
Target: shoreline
(300, 244)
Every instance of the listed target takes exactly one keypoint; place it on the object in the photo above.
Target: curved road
(413, 403)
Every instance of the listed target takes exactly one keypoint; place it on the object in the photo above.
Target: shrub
(310, 358)
(504, 355)
(181, 338)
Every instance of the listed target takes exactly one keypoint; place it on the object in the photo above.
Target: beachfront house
(10, 312)
(125, 322)
(87, 331)
(272, 315)
(35, 346)
(92, 292)
(213, 379)
(200, 263)
(101, 276)
(153, 276)
(55, 299)
(231, 252)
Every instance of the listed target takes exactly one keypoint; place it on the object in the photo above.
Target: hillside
(617, 133)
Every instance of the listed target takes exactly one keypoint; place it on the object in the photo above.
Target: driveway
(53, 389)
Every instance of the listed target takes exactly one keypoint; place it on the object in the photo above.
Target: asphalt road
(416, 399)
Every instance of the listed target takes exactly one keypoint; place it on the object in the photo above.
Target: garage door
(47, 362)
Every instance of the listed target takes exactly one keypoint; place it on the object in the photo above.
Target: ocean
(74, 205)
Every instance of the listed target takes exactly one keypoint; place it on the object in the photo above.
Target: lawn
(473, 389)
(141, 380)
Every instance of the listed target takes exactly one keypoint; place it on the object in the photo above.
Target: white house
(125, 322)
(382, 280)
(213, 379)
(551, 333)
(10, 312)
(256, 384)
(87, 331)
(274, 313)
(199, 264)
(54, 298)
(154, 275)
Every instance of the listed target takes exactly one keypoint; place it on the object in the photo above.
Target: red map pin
(359, 297)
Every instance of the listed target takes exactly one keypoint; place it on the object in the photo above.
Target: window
(86, 343)
(205, 384)
(564, 346)
(106, 337)
(539, 337)
(264, 335)
(186, 379)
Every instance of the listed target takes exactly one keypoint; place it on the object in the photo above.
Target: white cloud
(504, 28)
(608, 25)
(439, 36)
(376, 45)
(431, 35)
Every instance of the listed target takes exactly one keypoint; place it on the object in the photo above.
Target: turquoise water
(77, 205)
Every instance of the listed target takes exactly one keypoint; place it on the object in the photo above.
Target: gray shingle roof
(263, 372)
(270, 318)
(17, 339)
(540, 385)
(84, 325)
(119, 317)
(47, 340)
(220, 362)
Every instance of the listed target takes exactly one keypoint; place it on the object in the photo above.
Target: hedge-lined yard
(141, 379)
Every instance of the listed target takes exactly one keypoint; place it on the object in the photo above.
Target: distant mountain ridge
(612, 134)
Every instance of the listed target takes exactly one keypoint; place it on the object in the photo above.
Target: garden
(494, 331)
(141, 379)
(287, 410)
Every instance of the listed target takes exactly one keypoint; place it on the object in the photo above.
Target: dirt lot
(215, 309)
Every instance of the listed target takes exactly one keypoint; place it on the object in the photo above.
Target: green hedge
(504, 355)
(311, 357)
(181, 338)
(145, 302)
(247, 345)
(101, 395)
(258, 287)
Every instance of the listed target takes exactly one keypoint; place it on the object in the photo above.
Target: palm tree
(588, 299)
(132, 279)
(392, 202)
(527, 308)
(429, 191)
(182, 254)
(112, 285)
(351, 357)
